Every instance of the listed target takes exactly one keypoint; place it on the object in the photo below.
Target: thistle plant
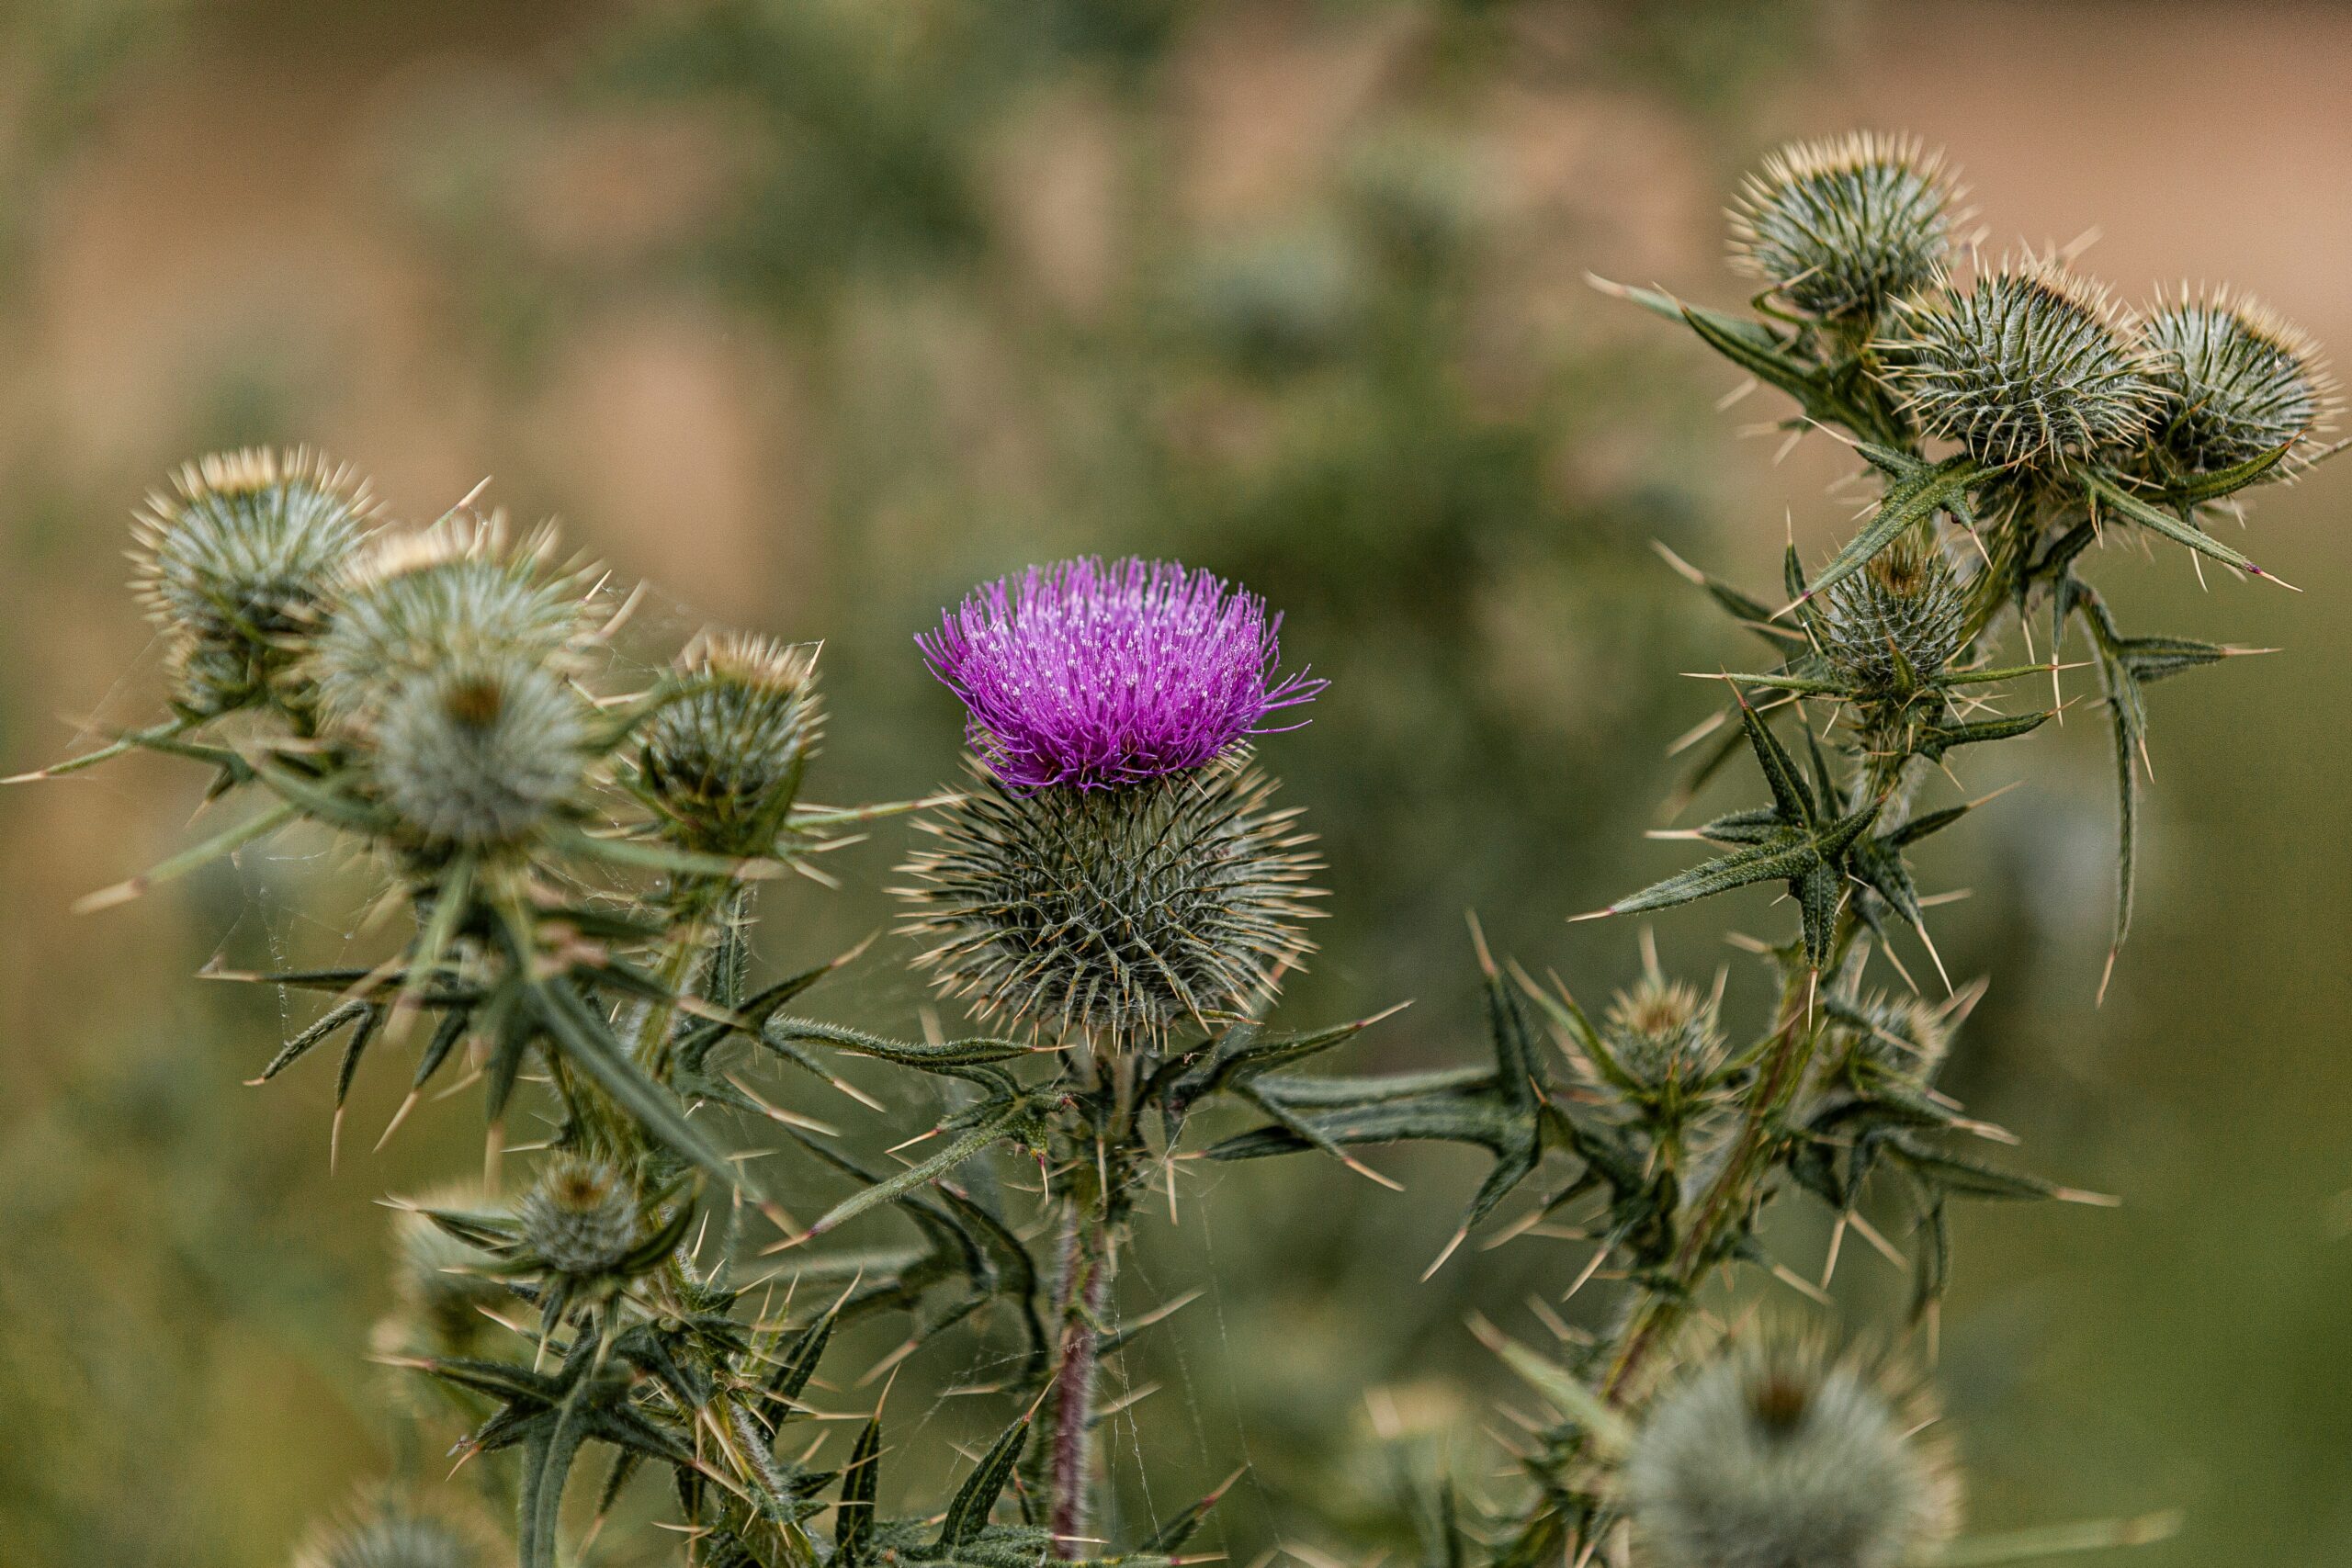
(581, 856)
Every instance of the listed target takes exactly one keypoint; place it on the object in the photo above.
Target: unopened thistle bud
(390, 1533)
(1903, 1037)
(479, 751)
(1117, 869)
(581, 1220)
(1122, 912)
(236, 561)
(1897, 621)
(434, 1277)
(2234, 382)
(725, 762)
(1838, 228)
(1775, 1455)
(459, 589)
(1666, 1036)
(2031, 366)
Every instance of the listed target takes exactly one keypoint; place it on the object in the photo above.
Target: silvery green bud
(725, 762)
(2234, 382)
(1122, 911)
(1666, 1036)
(581, 1219)
(478, 751)
(1902, 1036)
(1774, 1455)
(389, 1533)
(236, 561)
(1838, 228)
(434, 1277)
(416, 602)
(1897, 621)
(2031, 365)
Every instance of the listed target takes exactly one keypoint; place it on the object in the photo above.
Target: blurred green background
(815, 312)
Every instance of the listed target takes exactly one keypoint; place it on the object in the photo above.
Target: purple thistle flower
(1092, 676)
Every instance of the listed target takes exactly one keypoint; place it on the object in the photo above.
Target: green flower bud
(458, 590)
(1838, 228)
(581, 1219)
(1775, 1455)
(2234, 382)
(1903, 1037)
(479, 751)
(725, 762)
(389, 1533)
(1897, 621)
(1121, 911)
(1666, 1036)
(235, 563)
(442, 1301)
(2031, 366)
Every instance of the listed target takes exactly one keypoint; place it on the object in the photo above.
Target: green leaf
(587, 1043)
(853, 1520)
(1905, 505)
(972, 1142)
(2107, 489)
(2199, 488)
(968, 1512)
(979, 1051)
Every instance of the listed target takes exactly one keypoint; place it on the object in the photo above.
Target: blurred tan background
(814, 314)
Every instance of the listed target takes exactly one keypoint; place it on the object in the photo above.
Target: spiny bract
(1117, 912)
(235, 562)
(2236, 382)
(478, 750)
(457, 589)
(1897, 621)
(1776, 1455)
(2031, 365)
(1838, 228)
(722, 760)
(442, 1299)
(581, 1219)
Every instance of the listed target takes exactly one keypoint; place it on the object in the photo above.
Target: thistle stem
(1083, 1290)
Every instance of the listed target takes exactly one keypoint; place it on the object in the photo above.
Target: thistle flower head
(1898, 620)
(581, 1219)
(725, 760)
(1093, 676)
(1776, 1455)
(2234, 381)
(236, 561)
(459, 589)
(1838, 228)
(2031, 365)
(390, 1533)
(1117, 912)
(478, 750)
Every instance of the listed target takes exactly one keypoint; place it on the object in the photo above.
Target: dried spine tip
(457, 589)
(236, 561)
(478, 751)
(1775, 1455)
(391, 1533)
(581, 1219)
(2234, 382)
(2031, 365)
(1838, 228)
(1897, 621)
(725, 759)
(1120, 912)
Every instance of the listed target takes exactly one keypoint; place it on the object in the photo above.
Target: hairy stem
(1084, 1292)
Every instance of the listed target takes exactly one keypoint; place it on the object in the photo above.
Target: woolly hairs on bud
(480, 749)
(1775, 1455)
(2234, 381)
(1121, 911)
